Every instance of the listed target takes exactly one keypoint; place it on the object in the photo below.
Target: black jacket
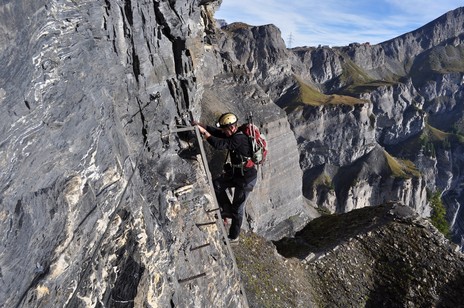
(239, 146)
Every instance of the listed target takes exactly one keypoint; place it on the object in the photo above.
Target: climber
(235, 175)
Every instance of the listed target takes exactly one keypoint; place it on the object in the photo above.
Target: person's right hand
(201, 129)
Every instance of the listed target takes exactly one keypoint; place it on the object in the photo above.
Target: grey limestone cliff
(413, 85)
(97, 207)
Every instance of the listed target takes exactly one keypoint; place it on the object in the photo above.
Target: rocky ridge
(362, 258)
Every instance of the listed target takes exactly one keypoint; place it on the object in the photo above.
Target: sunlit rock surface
(97, 207)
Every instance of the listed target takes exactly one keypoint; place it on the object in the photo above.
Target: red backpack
(258, 143)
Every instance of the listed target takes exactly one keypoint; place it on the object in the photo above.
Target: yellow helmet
(226, 119)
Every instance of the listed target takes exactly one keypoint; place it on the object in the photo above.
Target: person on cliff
(235, 174)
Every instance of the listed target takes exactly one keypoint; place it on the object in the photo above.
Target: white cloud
(336, 22)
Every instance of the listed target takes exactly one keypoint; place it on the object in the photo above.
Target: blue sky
(336, 22)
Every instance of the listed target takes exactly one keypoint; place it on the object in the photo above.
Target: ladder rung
(191, 278)
(206, 223)
(199, 247)
(182, 129)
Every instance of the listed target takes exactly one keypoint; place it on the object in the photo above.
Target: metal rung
(191, 278)
(213, 210)
(199, 247)
(206, 223)
(182, 129)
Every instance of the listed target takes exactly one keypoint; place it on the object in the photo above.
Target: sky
(336, 22)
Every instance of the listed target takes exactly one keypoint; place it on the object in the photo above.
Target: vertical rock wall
(97, 206)
(277, 207)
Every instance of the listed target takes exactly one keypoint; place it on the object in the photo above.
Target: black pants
(235, 209)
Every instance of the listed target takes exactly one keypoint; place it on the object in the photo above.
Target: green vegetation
(311, 96)
(446, 59)
(358, 81)
(324, 180)
(429, 149)
(353, 74)
(359, 88)
(438, 216)
(436, 134)
(401, 168)
(429, 141)
(432, 137)
(458, 128)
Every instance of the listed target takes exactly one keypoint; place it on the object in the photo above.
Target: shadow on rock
(326, 232)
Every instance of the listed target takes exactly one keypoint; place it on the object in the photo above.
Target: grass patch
(446, 59)
(324, 180)
(357, 81)
(433, 138)
(401, 168)
(357, 89)
(458, 127)
(311, 96)
(353, 74)
(435, 134)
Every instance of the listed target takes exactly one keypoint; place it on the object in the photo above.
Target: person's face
(229, 130)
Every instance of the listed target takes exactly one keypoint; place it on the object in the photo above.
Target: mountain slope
(384, 256)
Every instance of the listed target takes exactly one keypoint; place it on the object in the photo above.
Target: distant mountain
(373, 123)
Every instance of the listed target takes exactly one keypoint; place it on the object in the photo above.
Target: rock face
(97, 207)
(399, 115)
